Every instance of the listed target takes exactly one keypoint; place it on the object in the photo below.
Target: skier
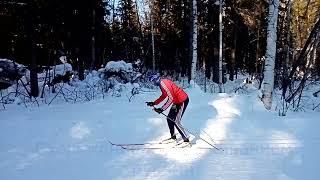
(177, 97)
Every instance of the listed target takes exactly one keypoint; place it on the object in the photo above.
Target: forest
(159, 89)
(274, 42)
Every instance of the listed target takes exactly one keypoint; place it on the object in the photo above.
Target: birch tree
(194, 39)
(152, 37)
(268, 83)
(220, 44)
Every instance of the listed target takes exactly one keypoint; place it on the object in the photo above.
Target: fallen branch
(315, 94)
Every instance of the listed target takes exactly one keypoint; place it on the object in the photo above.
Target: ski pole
(208, 136)
(196, 135)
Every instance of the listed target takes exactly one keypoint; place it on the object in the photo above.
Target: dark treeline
(91, 32)
(46, 30)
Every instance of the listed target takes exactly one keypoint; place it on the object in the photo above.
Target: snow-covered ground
(70, 141)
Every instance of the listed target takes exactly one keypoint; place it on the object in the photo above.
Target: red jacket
(174, 93)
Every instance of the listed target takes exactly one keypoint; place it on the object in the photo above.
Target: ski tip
(110, 142)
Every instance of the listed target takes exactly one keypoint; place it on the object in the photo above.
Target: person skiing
(179, 100)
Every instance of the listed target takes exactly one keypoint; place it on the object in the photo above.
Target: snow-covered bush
(123, 72)
(60, 84)
(115, 79)
(10, 72)
(117, 73)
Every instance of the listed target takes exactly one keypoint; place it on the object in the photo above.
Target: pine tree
(128, 41)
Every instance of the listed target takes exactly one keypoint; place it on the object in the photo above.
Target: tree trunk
(257, 64)
(34, 92)
(81, 67)
(194, 39)
(93, 40)
(258, 73)
(141, 41)
(286, 63)
(318, 62)
(220, 45)
(152, 38)
(303, 54)
(233, 51)
(33, 73)
(268, 83)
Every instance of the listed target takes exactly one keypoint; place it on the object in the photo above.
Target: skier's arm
(168, 93)
(161, 98)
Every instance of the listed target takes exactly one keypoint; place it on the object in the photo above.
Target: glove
(158, 110)
(150, 103)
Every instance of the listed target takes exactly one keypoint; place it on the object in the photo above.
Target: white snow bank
(116, 66)
(72, 140)
(11, 63)
(63, 59)
(61, 69)
(80, 131)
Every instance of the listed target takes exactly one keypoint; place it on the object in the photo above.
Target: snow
(63, 59)
(11, 63)
(7, 65)
(70, 141)
(79, 131)
(116, 66)
(61, 69)
(96, 85)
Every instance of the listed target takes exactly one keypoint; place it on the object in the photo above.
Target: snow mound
(79, 131)
(11, 63)
(117, 66)
(61, 69)
(10, 71)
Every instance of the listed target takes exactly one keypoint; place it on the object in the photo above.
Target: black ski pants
(176, 112)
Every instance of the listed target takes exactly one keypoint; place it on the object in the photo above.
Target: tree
(30, 26)
(127, 44)
(303, 62)
(194, 39)
(268, 84)
(152, 38)
(220, 44)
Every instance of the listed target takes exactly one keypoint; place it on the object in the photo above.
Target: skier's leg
(171, 115)
(181, 109)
